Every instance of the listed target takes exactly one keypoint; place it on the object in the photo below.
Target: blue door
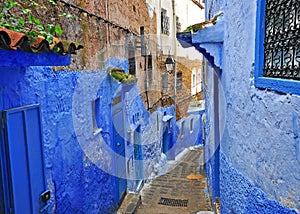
(167, 143)
(119, 148)
(22, 162)
(166, 140)
(138, 157)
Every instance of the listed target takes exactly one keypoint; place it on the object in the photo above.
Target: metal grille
(282, 39)
(179, 80)
(173, 202)
(131, 59)
(178, 25)
(165, 24)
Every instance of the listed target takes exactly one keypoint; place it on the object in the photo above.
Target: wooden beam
(198, 4)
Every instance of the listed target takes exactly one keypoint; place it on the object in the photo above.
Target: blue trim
(276, 84)
(185, 39)
(19, 58)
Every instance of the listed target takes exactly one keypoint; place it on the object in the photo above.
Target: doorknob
(118, 144)
(45, 196)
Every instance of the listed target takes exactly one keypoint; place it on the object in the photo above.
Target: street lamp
(170, 64)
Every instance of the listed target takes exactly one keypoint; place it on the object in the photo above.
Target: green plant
(24, 17)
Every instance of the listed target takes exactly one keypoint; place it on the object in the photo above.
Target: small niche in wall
(191, 125)
(96, 115)
(182, 130)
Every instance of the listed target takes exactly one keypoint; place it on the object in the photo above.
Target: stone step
(130, 203)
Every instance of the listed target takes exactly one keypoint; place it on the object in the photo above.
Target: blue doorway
(166, 140)
(22, 165)
(119, 148)
(138, 157)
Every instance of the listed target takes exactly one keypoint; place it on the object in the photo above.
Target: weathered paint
(260, 139)
(12, 58)
(79, 162)
(72, 178)
(259, 145)
(242, 196)
(192, 134)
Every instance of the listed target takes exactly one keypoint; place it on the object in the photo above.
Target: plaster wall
(77, 184)
(260, 140)
(189, 132)
(189, 13)
(79, 159)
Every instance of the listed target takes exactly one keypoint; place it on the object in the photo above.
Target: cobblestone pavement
(183, 182)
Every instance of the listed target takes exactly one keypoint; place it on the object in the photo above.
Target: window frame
(182, 129)
(277, 84)
(179, 80)
(95, 116)
(165, 22)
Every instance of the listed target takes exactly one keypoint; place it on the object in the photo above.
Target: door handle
(45, 196)
(118, 144)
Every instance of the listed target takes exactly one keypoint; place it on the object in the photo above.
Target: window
(278, 46)
(165, 22)
(178, 25)
(164, 78)
(182, 129)
(96, 115)
(194, 80)
(131, 59)
(150, 74)
(199, 78)
(179, 80)
(191, 125)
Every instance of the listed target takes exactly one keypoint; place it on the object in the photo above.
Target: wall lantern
(170, 64)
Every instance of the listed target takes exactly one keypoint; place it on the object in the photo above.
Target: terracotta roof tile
(12, 40)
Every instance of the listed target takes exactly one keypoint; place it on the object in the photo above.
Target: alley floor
(180, 190)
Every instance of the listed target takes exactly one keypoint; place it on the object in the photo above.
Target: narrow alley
(149, 107)
(182, 189)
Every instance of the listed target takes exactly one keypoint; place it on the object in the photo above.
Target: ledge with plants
(23, 28)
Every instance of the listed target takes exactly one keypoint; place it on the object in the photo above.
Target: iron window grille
(277, 51)
(282, 39)
(149, 65)
(179, 80)
(178, 25)
(165, 22)
(131, 59)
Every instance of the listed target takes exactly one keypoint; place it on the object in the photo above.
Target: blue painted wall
(242, 196)
(77, 184)
(79, 159)
(192, 133)
(259, 139)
